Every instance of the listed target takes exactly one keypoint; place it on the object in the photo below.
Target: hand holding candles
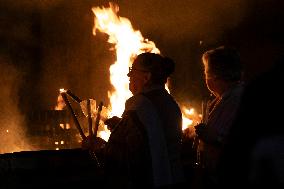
(77, 124)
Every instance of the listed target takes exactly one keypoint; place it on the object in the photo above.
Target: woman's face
(210, 80)
(138, 78)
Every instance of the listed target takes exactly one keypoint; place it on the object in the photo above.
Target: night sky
(46, 45)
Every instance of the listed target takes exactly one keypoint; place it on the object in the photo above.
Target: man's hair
(160, 67)
(223, 62)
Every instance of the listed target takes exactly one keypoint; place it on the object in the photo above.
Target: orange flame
(60, 102)
(128, 43)
(189, 117)
(60, 106)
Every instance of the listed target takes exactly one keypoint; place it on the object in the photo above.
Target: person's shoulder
(136, 102)
(235, 92)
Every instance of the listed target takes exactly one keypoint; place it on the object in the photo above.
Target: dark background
(46, 45)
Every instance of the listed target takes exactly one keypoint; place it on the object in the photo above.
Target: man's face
(138, 78)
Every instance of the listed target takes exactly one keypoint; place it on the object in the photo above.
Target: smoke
(82, 60)
(177, 20)
(31, 4)
(63, 52)
(183, 30)
(71, 57)
(12, 130)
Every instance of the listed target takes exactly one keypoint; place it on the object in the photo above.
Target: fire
(189, 117)
(60, 106)
(128, 44)
(60, 102)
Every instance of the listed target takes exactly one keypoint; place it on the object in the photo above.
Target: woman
(223, 74)
(143, 150)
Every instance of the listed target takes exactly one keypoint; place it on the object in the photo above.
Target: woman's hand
(112, 122)
(205, 133)
(93, 143)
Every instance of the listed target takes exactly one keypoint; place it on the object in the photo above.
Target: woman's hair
(224, 63)
(160, 67)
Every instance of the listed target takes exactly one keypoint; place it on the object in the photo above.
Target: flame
(60, 102)
(128, 44)
(104, 133)
(189, 117)
(62, 90)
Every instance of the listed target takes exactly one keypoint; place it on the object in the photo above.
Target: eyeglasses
(130, 70)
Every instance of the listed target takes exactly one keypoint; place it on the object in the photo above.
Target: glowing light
(62, 90)
(189, 117)
(104, 133)
(60, 103)
(128, 43)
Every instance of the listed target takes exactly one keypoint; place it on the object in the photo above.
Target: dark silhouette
(144, 147)
(254, 154)
(223, 74)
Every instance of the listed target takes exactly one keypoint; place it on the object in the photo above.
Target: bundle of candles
(92, 131)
